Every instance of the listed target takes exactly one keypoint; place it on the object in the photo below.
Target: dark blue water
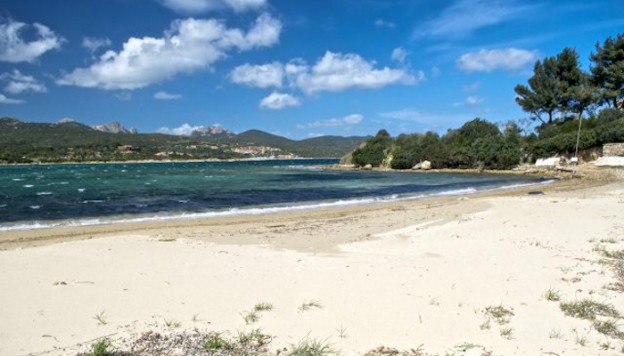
(46, 195)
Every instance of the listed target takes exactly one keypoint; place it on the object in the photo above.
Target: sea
(39, 196)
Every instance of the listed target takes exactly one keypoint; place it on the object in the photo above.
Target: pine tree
(608, 69)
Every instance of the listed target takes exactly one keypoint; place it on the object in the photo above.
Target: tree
(374, 151)
(543, 94)
(607, 71)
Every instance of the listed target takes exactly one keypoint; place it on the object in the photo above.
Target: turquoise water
(51, 195)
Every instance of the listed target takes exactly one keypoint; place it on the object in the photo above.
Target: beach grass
(313, 304)
(312, 347)
(588, 309)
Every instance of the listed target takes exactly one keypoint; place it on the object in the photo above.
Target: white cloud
(489, 60)
(464, 17)
(332, 72)
(200, 6)
(183, 130)
(399, 54)
(381, 23)
(278, 101)
(13, 47)
(163, 95)
(124, 96)
(93, 44)
(348, 120)
(5, 100)
(338, 72)
(19, 83)
(259, 76)
(472, 87)
(187, 46)
(472, 100)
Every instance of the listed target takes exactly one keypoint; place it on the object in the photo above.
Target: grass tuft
(588, 309)
(312, 347)
(101, 348)
(251, 317)
(263, 306)
(499, 313)
(506, 333)
(254, 337)
(100, 318)
(310, 305)
(216, 342)
(608, 328)
(552, 295)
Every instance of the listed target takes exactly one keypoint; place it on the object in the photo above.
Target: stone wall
(613, 149)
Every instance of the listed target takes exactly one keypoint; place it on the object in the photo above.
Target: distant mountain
(115, 127)
(69, 140)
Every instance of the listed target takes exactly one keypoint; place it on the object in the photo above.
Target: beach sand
(403, 274)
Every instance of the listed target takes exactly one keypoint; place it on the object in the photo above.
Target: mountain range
(72, 141)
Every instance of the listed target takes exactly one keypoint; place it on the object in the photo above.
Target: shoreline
(41, 235)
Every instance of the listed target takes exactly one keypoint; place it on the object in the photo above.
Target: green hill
(24, 142)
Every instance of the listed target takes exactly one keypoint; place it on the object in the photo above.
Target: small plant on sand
(552, 295)
(588, 309)
(608, 328)
(100, 318)
(216, 342)
(263, 306)
(342, 332)
(555, 334)
(310, 305)
(254, 337)
(499, 313)
(580, 340)
(312, 347)
(506, 333)
(101, 348)
(172, 324)
(251, 317)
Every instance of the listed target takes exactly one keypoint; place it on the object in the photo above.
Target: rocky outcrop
(114, 127)
(214, 130)
(424, 165)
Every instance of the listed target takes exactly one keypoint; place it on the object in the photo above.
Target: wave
(251, 211)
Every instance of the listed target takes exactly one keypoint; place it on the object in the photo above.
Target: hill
(71, 141)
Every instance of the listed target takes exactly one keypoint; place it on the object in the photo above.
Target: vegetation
(588, 309)
(560, 97)
(101, 348)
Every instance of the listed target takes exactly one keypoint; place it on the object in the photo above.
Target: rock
(417, 166)
(425, 165)
(368, 167)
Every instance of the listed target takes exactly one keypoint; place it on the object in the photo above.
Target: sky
(296, 68)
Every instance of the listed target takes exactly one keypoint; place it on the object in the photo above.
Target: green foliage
(101, 348)
(588, 309)
(374, 150)
(216, 342)
(607, 69)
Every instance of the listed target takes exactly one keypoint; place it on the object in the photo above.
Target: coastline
(399, 274)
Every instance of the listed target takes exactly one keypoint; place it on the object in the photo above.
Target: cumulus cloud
(187, 46)
(399, 54)
(488, 60)
(14, 48)
(464, 17)
(93, 44)
(259, 76)
(348, 120)
(332, 72)
(19, 83)
(163, 95)
(182, 130)
(381, 23)
(5, 100)
(338, 72)
(276, 101)
(472, 100)
(201, 6)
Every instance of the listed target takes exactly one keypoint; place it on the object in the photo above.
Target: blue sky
(297, 68)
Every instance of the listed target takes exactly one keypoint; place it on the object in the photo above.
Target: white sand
(414, 284)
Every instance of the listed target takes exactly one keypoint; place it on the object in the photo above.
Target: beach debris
(61, 283)
(535, 192)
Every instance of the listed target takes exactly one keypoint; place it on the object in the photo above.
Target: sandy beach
(427, 273)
